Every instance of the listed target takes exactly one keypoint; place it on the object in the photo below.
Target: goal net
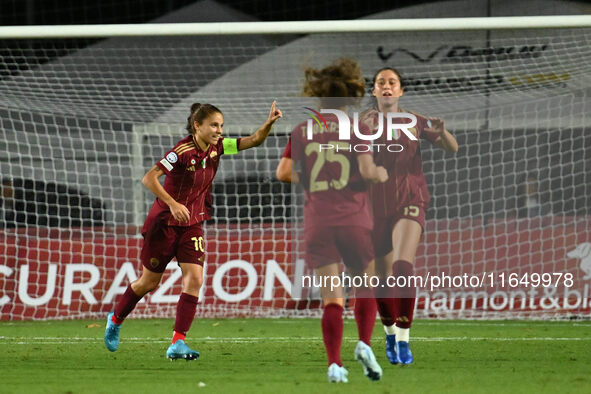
(83, 122)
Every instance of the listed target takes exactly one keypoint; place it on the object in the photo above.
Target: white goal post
(82, 119)
(295, 27)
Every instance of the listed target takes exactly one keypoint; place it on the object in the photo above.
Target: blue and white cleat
(365, 356)
(403, 352)
(179, 349)
(337, 374)
(391, 349)
(112, 333)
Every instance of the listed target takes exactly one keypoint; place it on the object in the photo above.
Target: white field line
(84, 340)
(478, 323)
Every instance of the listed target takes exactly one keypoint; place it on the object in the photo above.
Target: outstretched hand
(274, 114)
(435, 125)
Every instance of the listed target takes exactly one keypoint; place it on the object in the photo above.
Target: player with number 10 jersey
(173, 226)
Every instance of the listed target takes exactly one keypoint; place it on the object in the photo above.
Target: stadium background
(476, 195)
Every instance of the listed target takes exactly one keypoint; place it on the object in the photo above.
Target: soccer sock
(402, 334)
(176, 336)
(185, 313)
(386, 307)
(365, 314)
(332, 332)
(125, 305)
(386, 304)
(405, 296)
(390, 330)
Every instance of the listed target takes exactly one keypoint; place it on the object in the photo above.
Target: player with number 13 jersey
(399, 207)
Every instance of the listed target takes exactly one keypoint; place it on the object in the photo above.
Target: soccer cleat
(112, 333)
(391, 349)
(365, 356)
(337, 374)
(403, 352)
(179, 349)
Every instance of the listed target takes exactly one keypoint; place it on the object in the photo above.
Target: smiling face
(209, 131)
(387, 88)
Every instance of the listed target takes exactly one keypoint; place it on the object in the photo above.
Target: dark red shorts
(382, 228)
(327, 245)
(162, 243)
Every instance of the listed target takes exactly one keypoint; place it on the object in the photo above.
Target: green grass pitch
(287, 356)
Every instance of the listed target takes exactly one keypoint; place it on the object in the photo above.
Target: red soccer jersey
(336, 194)
(406, 183)
(189, 174)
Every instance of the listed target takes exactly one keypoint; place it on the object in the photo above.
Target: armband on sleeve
(230, 146)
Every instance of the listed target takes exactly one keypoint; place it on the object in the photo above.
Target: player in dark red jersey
(337, 218)
(173, 226)
(399, 207)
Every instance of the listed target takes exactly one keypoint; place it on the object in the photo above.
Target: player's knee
(145, 285)
(192, 282)
(152, 284)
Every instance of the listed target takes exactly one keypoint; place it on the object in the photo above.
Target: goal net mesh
(81, 126)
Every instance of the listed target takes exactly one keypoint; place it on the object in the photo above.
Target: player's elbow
(282, 174)
(148, 179)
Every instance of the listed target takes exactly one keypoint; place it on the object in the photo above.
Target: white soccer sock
(390, 330)
(402, 334)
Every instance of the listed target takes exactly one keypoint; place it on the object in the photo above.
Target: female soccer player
(399, 207)
(173, 226)
(337, 218)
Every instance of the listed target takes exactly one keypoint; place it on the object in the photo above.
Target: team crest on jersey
(213, 154)
(154, 262)
(172, 157)
(191, 168)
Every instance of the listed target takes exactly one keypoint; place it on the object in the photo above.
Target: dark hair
(343, 78)
(375, 76)
(374, 100)
(200, 112)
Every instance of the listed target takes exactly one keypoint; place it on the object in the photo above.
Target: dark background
(64, 12)
(565, 188)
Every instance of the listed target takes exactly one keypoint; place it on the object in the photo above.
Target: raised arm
(446, 140)
(259, 136)
(150, 181)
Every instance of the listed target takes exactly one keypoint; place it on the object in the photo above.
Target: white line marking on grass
(479, 323)
(86, 340)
